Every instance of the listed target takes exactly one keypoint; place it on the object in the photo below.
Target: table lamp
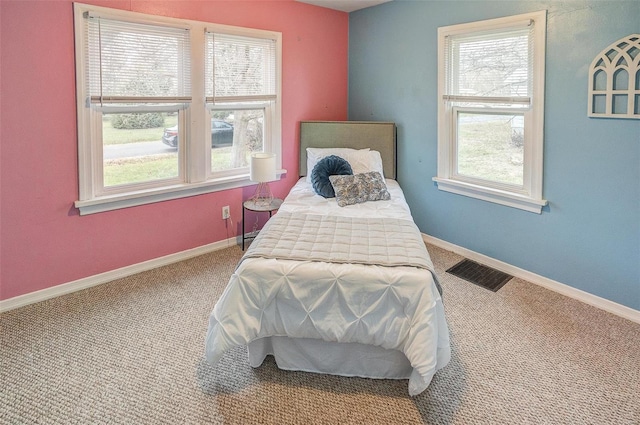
(262, 170)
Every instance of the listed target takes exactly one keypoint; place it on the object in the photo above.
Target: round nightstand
(254, 206)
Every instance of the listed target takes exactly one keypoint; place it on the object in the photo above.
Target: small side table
(257, 207)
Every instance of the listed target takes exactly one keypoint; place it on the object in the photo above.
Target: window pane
(137, 60)
(490, 146)
(240, 66)
(490, 65)
(235, 134)
(139, 147)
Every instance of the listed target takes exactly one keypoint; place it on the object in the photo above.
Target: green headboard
(379, 136)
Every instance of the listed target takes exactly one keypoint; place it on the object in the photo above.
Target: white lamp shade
(263, 167)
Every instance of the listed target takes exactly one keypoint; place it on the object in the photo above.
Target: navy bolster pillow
(331, 165)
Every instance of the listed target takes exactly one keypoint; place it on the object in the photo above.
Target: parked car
(221, 135)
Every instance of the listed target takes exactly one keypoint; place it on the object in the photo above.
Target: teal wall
(589, 235)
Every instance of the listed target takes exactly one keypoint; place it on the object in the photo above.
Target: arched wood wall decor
(614, 80)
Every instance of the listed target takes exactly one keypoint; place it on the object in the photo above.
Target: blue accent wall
(589, 235)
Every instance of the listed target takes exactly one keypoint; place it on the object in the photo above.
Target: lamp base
(262, 195)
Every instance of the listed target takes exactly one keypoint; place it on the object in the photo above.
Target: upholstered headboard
(379, 136)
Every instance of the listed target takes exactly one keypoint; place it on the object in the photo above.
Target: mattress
(368, 320)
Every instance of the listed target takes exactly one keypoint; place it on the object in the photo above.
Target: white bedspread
(396, 308)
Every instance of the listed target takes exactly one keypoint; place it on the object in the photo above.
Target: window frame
(194, 152)
(529, 196)
(270, 106)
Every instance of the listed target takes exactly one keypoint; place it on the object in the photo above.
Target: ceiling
(345, 5)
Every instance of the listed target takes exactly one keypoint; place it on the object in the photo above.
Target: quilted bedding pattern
(334, 239)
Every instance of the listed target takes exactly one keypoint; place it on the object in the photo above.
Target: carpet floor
(131, 351)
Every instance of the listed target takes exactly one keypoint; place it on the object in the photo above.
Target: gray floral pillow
(359, 188)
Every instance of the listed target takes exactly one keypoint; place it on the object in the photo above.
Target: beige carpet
(131, 351)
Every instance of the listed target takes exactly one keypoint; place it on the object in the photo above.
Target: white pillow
(361, 160)
(375, 163)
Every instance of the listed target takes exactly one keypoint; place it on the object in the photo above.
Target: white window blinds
(494, 66)
(240, 68)
(140, 63)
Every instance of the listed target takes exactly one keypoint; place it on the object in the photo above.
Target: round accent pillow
(331, 165)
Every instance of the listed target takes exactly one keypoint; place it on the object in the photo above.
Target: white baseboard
(84, 283)
(88, 282)
(587, 298)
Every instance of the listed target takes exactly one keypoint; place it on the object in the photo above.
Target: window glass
(240, 67)
(491, 147)
(139, 147)
(490, 65)
(235, 135)
(241, 92)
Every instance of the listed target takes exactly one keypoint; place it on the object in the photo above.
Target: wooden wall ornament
(614, 80)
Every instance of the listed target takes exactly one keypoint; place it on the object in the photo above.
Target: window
(169, 108)
(241, 85)
(490, 110)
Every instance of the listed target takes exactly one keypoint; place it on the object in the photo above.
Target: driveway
(129, 150)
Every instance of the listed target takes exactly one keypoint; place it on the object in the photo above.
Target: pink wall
(44, 242)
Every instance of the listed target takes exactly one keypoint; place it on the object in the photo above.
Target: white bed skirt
(335, 358)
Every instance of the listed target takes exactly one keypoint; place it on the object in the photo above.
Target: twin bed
(345, 290)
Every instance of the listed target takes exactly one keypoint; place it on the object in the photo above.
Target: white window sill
(497, 196)
(132, 199)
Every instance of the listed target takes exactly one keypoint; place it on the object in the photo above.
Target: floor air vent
(480, 275)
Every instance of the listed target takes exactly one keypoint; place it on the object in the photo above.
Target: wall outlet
(225, 212)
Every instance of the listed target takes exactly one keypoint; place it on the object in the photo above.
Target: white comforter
(393, 307)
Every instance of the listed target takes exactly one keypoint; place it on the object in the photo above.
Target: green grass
(485, 151)
(221, 158)
(155, 167)
(151, 167)
(115, 136)
(140, 169)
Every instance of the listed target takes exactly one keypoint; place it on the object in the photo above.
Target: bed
(347, 290)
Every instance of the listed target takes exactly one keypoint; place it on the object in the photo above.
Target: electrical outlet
(225, 212)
